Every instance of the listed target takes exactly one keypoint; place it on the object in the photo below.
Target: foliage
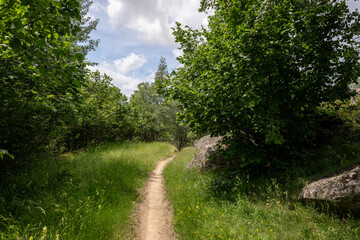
(83, 39)
(104, 114)
(156, 119)
(86, 195)
(232, 205)
(259, 71)
(42, 70)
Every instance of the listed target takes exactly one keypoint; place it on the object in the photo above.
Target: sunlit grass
(88, 195)
(261, 209)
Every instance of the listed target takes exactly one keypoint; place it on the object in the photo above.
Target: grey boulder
(341, 191)
(205, 147)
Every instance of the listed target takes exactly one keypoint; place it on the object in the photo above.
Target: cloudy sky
(134, 34)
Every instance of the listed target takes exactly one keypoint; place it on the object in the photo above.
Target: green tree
(104, 114)
(87, 24)
(156, 119)
(260, 70)
(148, 112)
(41, 69)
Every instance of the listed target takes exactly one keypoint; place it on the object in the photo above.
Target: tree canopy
(42, 69)
(259, 70)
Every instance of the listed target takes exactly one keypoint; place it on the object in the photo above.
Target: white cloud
(115, 11)
(353, 4)
(127, 84)
(152, 20)
(130, 63)
(177, 53)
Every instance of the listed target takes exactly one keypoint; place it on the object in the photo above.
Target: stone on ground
(342, 191)
(205, 147)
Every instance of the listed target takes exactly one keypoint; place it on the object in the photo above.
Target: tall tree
(156, 119)
(260, 69)
(162, 73)
(41, 69)
(87, 24)
(104, 114)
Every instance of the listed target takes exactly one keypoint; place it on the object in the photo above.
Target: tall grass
(78, 196)
(213, 205)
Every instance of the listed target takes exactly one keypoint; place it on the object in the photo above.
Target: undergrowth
(88, 195)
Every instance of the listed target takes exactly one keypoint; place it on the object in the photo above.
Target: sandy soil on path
(154, 213)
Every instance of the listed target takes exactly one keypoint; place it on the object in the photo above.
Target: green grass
(223, 205)
(88, 195)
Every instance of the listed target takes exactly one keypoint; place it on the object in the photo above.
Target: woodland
(275, 78)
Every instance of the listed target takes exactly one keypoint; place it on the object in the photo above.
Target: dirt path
(154, 213)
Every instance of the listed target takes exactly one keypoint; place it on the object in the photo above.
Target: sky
(134, 34)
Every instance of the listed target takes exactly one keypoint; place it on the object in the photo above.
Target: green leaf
(15, 44)
(41, 42)
(60, 18)
(57, 4)
(79, 57)
(43, 70)
(2, 27)
(58, 82)
(19, 26)
(4, 152)
(76, 83)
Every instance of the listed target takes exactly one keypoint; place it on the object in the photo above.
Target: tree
(87, 25)
(41, 69)
(160, 76)
(149, 113)
(156, 119)
(104, 114)
(260, 70)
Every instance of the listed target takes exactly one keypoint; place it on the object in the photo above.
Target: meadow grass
(88, 195)
(219, 205)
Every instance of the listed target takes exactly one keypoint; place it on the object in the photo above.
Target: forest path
(154, 213)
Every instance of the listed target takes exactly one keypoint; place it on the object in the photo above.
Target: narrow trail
(154, 213)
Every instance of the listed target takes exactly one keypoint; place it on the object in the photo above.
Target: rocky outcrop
(205, 147)
(341, 191)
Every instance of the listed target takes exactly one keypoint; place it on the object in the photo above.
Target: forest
(277, 79)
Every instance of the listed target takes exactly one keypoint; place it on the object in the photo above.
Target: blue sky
(134, 34)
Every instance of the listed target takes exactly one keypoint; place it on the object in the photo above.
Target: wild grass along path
(154, 212)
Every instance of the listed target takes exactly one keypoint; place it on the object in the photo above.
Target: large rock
(205, 147)
(342, 191)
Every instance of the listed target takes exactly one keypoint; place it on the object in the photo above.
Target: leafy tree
(156, 119)
(87, 25)
(260, 70)
(41, 69)
(148, 112)
(104, 114)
